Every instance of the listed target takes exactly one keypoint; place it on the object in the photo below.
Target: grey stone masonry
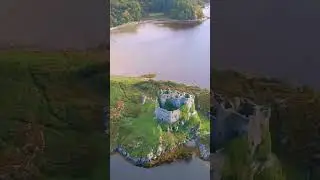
(177, 99)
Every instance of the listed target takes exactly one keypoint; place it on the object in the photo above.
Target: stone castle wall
(229, 122)
(178, 99)
(167, 116)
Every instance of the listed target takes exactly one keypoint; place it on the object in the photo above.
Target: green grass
(237, 163)
(59, 96)
(140, 135)
(135, 128)
(205, 131)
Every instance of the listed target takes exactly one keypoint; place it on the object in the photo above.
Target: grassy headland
(51, 113)
(133, 124)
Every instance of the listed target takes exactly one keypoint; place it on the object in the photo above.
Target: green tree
(124, 11)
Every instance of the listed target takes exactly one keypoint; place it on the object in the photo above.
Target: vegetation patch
(140, 133)
(51, 114)
(125, 11)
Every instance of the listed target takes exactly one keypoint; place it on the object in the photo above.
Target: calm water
(193, 170)
(178, 53)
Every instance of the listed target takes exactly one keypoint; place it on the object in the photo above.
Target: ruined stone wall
(259, 122)
(167, 116)
(53, 24)
(174, 116)
(252, 122)
(162, 114)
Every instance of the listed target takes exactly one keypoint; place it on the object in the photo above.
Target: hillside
(51, 113)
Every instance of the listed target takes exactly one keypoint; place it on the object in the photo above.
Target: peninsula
(153, 122)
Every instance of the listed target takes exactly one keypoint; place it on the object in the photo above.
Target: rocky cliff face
(59, 24)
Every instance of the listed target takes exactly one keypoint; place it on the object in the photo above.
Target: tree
(124, 11)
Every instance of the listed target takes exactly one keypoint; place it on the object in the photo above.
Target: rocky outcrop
(146, 161)
(204, 152)
(138, 161)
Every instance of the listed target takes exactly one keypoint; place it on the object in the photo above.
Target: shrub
(184, 112)
(149, 76)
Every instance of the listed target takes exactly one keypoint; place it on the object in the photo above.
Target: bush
(184, 115)
(149, 76)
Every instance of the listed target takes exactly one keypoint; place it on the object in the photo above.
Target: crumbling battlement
(238, 116)
(177, 99)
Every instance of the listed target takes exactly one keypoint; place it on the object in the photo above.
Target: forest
(124, 11)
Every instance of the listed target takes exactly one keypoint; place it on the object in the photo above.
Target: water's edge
(149, 162)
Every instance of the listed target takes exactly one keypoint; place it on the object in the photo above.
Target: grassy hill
(51, 111)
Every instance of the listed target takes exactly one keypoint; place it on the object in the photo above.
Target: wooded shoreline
(162, 21)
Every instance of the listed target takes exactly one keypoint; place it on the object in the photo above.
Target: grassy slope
(140, 130)
(136, 124)
(51, 115)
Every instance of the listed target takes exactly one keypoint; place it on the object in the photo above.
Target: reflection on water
(178, 26)
(177, 52)
(193, 170)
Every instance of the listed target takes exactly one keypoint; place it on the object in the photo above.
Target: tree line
(124, 11)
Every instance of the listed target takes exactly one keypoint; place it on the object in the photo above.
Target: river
(174, 52)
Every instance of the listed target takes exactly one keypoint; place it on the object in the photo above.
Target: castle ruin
(236, 117)
(177, 99)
